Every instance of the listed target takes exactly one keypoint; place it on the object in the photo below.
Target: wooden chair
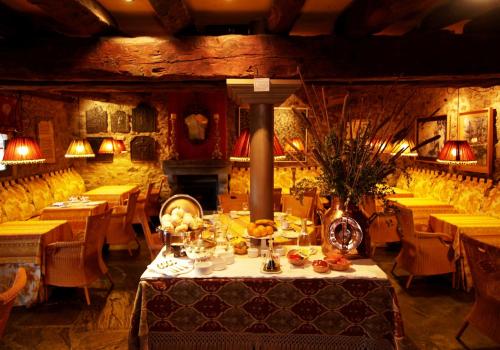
(382, 225)
(484, 263)
(230, 202)
(8, 297)
(79, 263)
(422, 253)
(277, 205)
(120, 231)
(153, 204)
(304, 209)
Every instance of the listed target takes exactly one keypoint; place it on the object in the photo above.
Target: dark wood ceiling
(344, 18)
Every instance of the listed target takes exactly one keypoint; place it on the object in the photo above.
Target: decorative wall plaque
(144, 118)
(96, 120)
(119, 122)
(95, 143)
(143, 148)
(46, 140)
(8, 113)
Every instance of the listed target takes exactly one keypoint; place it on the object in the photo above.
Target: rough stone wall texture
(61, 113)
(122, 170)
(365, 102)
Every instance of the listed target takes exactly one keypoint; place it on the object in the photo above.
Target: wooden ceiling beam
(14, 24)
(173, 14)
(435, 57)
(364, 17)
(488, 23)
(452, 12)
(283, 15)
(80, 18)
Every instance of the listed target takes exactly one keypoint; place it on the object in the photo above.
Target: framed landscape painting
(429, 127)
(476, 127)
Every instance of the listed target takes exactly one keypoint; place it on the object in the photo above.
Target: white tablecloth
(245, 267)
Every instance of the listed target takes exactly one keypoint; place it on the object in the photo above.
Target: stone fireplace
(202, 179)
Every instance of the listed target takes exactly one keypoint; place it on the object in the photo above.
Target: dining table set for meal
(231, 282)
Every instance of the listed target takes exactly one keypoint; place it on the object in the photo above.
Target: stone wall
(62, 113)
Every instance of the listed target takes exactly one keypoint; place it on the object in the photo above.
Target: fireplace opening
(202, 187)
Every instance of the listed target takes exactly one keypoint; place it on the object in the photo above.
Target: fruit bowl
(296, 258)
(338, 263)
(320, 266)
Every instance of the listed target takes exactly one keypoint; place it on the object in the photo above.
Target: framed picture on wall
(429, 127)
(476, 127)
(288, 127)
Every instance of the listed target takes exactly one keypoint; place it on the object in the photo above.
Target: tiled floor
(432, 312)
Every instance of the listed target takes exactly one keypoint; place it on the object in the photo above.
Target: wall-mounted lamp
(22, 150)
(79, 148)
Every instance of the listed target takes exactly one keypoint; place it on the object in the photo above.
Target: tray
(184, 201)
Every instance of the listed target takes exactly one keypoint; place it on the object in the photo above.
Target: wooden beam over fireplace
(421, 59)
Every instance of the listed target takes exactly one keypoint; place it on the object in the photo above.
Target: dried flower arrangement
(352, 156)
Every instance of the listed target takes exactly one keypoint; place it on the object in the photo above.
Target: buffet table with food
(208, 290)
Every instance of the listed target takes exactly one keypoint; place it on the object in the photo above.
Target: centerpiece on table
(350, 153)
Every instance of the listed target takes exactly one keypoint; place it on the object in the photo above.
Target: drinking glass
(244, 206)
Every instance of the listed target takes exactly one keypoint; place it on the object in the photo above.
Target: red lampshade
(457, 152)
(22, 150)
(119, 146)
(107, 146)
(241, 150)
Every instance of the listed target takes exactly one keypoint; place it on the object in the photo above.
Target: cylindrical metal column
(261, 161)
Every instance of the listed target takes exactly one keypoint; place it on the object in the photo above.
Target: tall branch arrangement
(351, 155)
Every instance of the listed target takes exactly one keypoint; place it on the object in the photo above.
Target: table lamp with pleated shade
(107, 146)
(119, 146)
(22, 150)
(406, 146)
(241, 150)
(457, 152)
(79, 148)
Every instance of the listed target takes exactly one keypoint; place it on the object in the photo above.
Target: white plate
(299, 222)
(59, 204)
(247, 236)
(290, 234)
(243, 212)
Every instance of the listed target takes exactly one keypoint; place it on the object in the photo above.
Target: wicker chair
(422, 253)
(79, 263)
(382, 225)
(8, 297)
(120, 231)
(484, 262)
(230, 202)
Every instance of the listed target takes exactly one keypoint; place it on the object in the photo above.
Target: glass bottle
(303, 239)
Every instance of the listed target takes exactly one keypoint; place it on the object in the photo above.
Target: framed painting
(8, 113)
(429, 127)
(476, 127)
(288, 127)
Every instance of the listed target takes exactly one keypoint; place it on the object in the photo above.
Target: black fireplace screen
(202, 187)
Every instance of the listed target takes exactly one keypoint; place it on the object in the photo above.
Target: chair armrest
(119, 210)
(442, 236)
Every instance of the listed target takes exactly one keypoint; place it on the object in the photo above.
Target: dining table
(238, 221)
(476, 226)
(242, 307)
(113, 194)
(22, 244)
(399, 193)
(75, 212)
(422, 208)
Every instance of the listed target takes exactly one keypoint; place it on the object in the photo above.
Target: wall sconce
(107, 146)
(241, 150)
(406, 146)
(457, 152)
(79, 148)
(22, 150)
